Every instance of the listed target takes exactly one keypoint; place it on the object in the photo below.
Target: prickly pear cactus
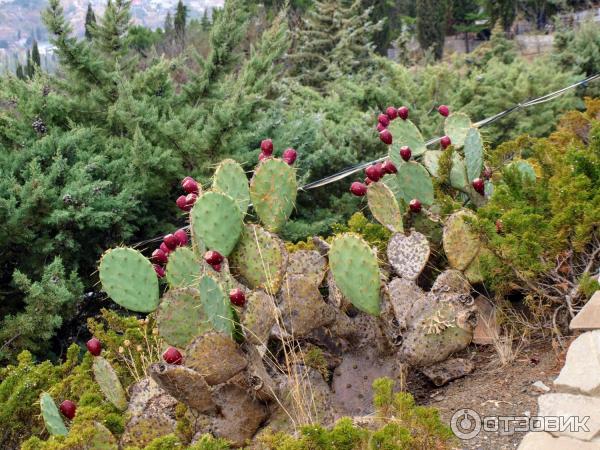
(431, 161)
(216, 305)
(356, 271)
(260, 259)
(473, 271)
(216, 220)
(408, 255)
(186, 385)
(309, 264)
(415, 182)
(527, 171)
(180, 316)
(384, 207)
(473, 151)
(259, 317)
(456, 127)
(404, 132)
(458, 173)
(183, 268)
(129, 279)
(461, 244)
(52, 420)
(273, 191)
(230, 179)
(109, 383)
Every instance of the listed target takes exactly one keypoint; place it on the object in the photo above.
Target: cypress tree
(112, 30)
(502, 11)
(29, 69)
(90, 22)
(205, 22)
(335, 39)
(179, 23)
(35, 55)
(431, 25)
(20, 73)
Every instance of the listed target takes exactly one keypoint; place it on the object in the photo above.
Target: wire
(482, 123)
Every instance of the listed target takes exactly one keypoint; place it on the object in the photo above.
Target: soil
(492, 390)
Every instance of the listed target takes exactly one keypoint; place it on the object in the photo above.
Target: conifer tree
(29, 69)
(19, 72)
(35, 55)
(336, 39)
(179, 24)
(90, 22)
(168, 26)
(431, 25)
(111, 32)
(502, 11)
(205, 23)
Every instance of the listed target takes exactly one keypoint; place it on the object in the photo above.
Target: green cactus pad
(461, 244)
(129, 279)
(216, 305)
(216, 220)
(429, 225)
(183, 269)
(473, 153)
(109, 383)
(458, 173)
(260, 259)
(456, 127)
(404, 132)
(356, 271)
(526, 169)
(473, 271)
(408, 255)
(384, 207)
(415, 182)
(52, 420)
(101, 439)
(180, 317)
(273, 191)
(230, 179)
(431, 161)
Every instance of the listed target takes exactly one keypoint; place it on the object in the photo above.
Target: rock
(581, 372)
(142, 392)
(545, 441)
(487, 328)
(353, 381)
(240, 416)
(184, 384)
(578, 407)
(448, 370)
(215, 356)
(589, 316)
(302, 306)
(540, 386)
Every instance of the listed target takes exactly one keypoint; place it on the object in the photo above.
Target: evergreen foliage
(503, 12)
(431, 25)
(90, 22)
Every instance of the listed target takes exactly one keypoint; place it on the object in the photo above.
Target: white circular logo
(465, 424)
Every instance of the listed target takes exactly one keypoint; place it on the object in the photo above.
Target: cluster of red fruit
(391, 113)
(266, 151)
(191, 188)
(170, 242)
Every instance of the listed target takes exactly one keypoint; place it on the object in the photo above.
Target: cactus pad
(461, 244)
(309, 264)
(384, 207)
(259, 317)
(458, 173)
(184, 384)
(456, 127)
(52, 420)
(129, 279)
(473, 271)
(183, 269)
(404, 294)
(260, 259)
(109, 383)
(527, 171)
(216, 305)
(473, 151)
(231, 179)
(273, 191)
(431, 161)
(408, 255)
(216, 220)
(415, 182)
(404, 132)
(180, 317)
(356, 271)
(302, 307)
(216, 357)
